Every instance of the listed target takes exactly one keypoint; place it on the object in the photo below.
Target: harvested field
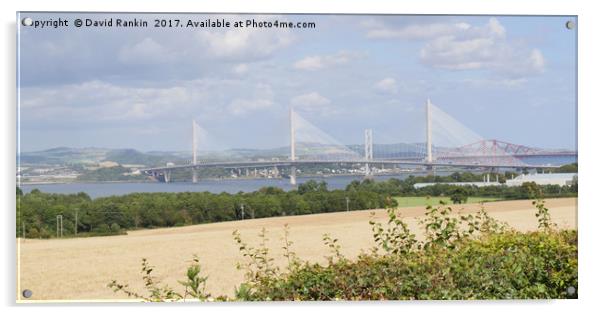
(81, 268)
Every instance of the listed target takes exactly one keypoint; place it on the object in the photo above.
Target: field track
(80, 268)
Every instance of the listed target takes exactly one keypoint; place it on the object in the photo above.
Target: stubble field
(81, 268)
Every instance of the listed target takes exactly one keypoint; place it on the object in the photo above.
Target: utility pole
(347, 201)
(242, 209)
(23, 228)
(76, 210)
(59, 225)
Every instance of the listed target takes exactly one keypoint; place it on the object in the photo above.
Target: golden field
(81, 268)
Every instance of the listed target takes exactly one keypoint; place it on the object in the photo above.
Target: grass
(425, 201)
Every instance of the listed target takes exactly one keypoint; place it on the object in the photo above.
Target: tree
(312, 186)
(459, 195)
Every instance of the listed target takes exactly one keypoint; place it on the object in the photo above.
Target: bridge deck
(243, 164)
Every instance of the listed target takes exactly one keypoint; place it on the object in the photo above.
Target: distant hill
(64, 155)
(131, 156)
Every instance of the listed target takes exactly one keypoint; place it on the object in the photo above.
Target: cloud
(420, 31)
(316, 62)
(495, 82)
(537, 60)
(241, 106)
(147, 51)
(462, 46)
(263, 99)
(98, 101)
(387, 85)
(240, 69)
(244, 44)
(310, 101)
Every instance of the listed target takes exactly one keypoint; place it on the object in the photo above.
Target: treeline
(37, 211)
(568, 168)
(397, 187)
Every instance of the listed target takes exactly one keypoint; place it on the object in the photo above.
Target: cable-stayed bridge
(448, 144)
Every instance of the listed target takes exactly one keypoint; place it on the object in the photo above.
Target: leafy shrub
(115, 227)
(33, 233)
(397, 238)
(194, 286)
(102, 228)
(500, 266)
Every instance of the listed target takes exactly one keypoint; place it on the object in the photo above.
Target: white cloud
(240, 69)
(537, 60)
(100, 101)
(147, 51)
(387, 85)
(320, 62)
(310, 101)
(242, 106)
(496, 82)
(421, 31)
(263, 99)
(244, 43)
(461, 46)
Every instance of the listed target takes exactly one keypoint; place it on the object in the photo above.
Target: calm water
(95, 190)
(215, 186)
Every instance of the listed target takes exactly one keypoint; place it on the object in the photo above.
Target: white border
(589, 25)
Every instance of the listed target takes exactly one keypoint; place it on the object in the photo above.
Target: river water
(95, 190)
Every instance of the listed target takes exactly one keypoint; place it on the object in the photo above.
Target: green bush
(500, 266)
(115, 227)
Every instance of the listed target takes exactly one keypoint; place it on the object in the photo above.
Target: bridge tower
(368, 152)
(429, 135)
(194, 150)
(293, 167)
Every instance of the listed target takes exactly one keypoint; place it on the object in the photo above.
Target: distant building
(561, 179)
(486, 182)
(478, 184)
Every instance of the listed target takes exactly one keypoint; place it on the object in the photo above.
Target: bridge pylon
(429, 133)
(293, 175)
(194, 150)
(368, 152)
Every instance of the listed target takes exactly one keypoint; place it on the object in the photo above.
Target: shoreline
(213, 179)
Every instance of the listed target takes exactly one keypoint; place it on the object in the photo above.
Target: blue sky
(508, 78)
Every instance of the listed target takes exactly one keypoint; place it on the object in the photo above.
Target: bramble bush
(461, 257)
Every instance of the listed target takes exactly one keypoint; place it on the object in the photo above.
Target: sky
(503, 77)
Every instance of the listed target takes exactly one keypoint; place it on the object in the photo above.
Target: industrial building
(561, 179)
